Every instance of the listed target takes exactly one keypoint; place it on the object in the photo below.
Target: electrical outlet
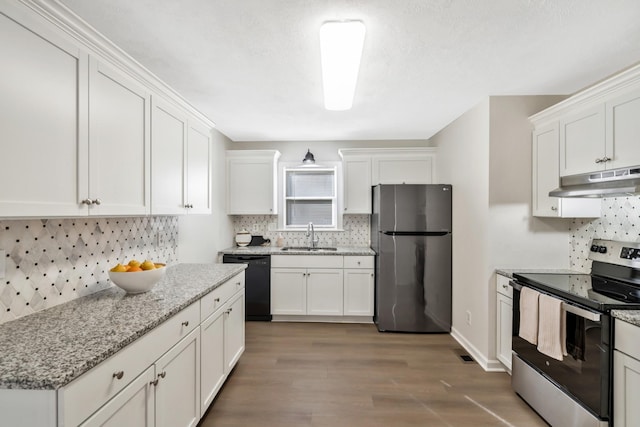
(160, 239)
(468, 317)
(2, 262)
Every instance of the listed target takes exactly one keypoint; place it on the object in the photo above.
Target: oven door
(584, 376)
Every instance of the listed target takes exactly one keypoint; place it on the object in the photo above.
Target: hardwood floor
(321, 375)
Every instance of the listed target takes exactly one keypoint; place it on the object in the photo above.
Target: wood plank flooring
(334, 375)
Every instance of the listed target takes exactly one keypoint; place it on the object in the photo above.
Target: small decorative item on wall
(243, 238)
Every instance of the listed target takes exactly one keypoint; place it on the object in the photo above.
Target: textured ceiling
(253, 66)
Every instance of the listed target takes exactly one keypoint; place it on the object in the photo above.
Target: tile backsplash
(356, 231)
(51, 261)
(620, 220)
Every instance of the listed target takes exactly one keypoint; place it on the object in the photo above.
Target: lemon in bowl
(135, 279)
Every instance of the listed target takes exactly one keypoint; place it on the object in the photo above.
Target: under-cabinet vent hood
(610, 183)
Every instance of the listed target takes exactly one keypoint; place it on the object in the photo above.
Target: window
(310, 196)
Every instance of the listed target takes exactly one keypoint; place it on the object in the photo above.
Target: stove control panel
(615, 252)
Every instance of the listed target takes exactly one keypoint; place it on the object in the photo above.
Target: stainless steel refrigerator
(411, 235)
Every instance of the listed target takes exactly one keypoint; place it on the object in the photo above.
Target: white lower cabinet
(135, 405)
(234, 332)
(177, 384)
(504, 308)
(322, 287)
(626, 375)
(212, 373)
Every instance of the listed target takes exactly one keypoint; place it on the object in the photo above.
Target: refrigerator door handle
(415, 233)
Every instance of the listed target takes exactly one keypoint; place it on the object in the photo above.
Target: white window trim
(283, 166)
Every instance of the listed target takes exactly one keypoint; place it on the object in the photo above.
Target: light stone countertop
(274, 250)
(629, 316)
(48, 349)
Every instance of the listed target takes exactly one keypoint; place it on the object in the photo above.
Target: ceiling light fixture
(341, 44)
(309, 159)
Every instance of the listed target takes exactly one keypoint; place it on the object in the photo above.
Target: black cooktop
(599, 293)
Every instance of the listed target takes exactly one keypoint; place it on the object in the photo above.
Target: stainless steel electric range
(577, 390)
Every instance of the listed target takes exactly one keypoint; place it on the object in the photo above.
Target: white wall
(200, 237)
(486, 155)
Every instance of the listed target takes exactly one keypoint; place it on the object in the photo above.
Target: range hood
(610, 183)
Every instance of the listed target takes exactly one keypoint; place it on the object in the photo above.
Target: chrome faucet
(313, 239)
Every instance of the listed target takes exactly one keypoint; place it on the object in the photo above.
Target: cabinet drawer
(503, 287)
(627, 338)
(220, 295)
(86, 394)
(306, 261)
(358, 262)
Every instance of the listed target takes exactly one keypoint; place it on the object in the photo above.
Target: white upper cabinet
(119, 143)
(43, 122)
(251, 182)
(546, 177)
(168, 163)
(582, 141)
(599, 127)
(76, 127)
(198, 169)
(364, 167)
(623, 131)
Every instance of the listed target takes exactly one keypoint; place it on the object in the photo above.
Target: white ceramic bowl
(137, 281)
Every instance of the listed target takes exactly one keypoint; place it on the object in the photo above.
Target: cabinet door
(358, 292)
(408, 169)
(626, 388)
(623, 131)
(234, 331)
(43, 120)
(325, 292)
(546, 172)
(288, 291)
(504, 325)
(178, 389)
(546, 177)
(357, 185)
(133, 406)
(199, 170)
(250, 187)
(119, 160)
(212, 365)
(168, 142)
(582, 142)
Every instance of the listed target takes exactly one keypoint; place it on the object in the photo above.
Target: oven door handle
(589, 315)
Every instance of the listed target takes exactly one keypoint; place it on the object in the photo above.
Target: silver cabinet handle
(605, 159)
(162, 374)
(371, 274)
(553, 208)
(185, 323)
(598, 160)
(504, 286)
(239, 284)
(97, 202)
(154, 382)
(118, 375)
(87, 202)
(217, 300)
(230, 309)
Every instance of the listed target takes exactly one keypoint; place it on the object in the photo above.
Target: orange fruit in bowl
(134, 263)
(159, 265)
(147, 265)
(134, 269)
(119, 268)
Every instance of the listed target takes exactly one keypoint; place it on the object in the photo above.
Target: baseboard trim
(322, 319)
(489, 365)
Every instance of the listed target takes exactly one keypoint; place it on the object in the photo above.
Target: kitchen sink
(308, 249)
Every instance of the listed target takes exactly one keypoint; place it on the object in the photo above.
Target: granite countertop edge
(274, 250)
(629, 316)
(49, 349)
(509, 272)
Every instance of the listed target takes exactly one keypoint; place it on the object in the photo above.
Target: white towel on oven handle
(529, 315)
(552, 327)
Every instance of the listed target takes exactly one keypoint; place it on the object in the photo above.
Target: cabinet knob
(605, 159)
(553, 208)
(217, 300)
(87, 202)
(371, 274)
(504, 286)
(185, 323)
(358, 262)
(238, 284)
(162, 374)
(97, 202)
(118, 375)
(598, 160)
(154, 382)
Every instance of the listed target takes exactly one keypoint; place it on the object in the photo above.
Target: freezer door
(413, 207)
(413, 283)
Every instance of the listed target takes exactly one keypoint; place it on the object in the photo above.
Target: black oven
(584, 374)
